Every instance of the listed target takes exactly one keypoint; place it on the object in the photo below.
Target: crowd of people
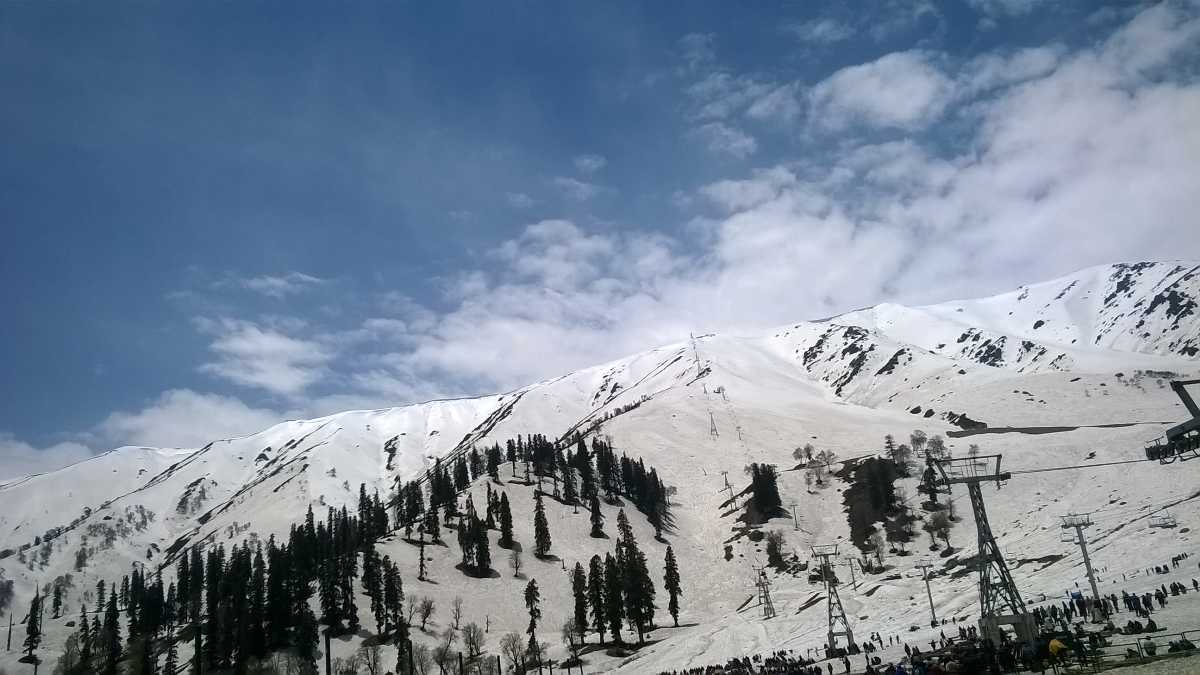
(967, 652)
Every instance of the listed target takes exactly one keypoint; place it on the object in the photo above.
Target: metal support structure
(999, 601)
(764, 592)
(853, 579)
(924, 567)
(1079, 521)
(839, 625)
(795, 520)
(712, 425)
(1181, 441)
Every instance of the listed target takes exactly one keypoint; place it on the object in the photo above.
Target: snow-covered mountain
(1093, 348)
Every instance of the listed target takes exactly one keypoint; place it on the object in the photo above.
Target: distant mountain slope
(1146, 307)
(1046, 354)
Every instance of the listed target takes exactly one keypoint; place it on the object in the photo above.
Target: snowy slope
(840, 384)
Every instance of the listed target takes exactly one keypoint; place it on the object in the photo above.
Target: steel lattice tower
(999, 601)
(839, 626)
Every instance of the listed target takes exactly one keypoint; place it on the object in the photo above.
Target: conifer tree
(421, 566)
(493, 462)
(570, 493)
(579, 589)
(196, 585)
(432, 527)
(112, 636)
(506, 531)
(671, 583)
(56, 604)
(613, 596)
(172, 664)
(596, 595)
(637, 586)
(597, 518)
(85, 641)
(33, 628)
(541, 528)
(393, 593)
(533, 598)
(257, 607)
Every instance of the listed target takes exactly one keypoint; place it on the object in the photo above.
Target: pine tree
(33, 628)
(393, 593)
(579, 589)
(613, 594)
(86, 639)
(506, 525)
(56, 604)
(112, 636)
(533, 597)
(541, 528)
(172, 664)
(432, 526)
(421, 557)
(257, 607)
(671, 583)
(637, 587)
(570, 494)
(597, 518)
(596, 595)
(373, 586)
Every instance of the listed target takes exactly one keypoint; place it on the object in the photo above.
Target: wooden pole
(328, 667)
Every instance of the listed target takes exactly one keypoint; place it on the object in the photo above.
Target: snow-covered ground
(839, 384)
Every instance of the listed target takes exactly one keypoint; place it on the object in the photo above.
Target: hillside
(1094, 348)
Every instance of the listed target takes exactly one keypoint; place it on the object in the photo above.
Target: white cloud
(697, 49)
(576, 190)
(783, 104)
(720, 94)
(280, 286)
(263, 357)
(1086, 161)
(724, 139)
(18, 458)
(821, 31)
(901, 90)
(998, 8)
(182, 418)
(590, 163)
(519, 200)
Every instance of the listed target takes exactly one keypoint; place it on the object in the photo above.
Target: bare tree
(443, 654)
(515, 562)
(877, 542)
(422, 658)
(345, 666)
(411, 604)
(425, 610)
(917, 439)
(819, 466)
(512, 646)
(570, 639)
(456, 612)
(939, 524)
(370, 659)
(936, 446)
(473, 640)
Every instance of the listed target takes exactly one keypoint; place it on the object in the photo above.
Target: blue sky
(220, 215)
